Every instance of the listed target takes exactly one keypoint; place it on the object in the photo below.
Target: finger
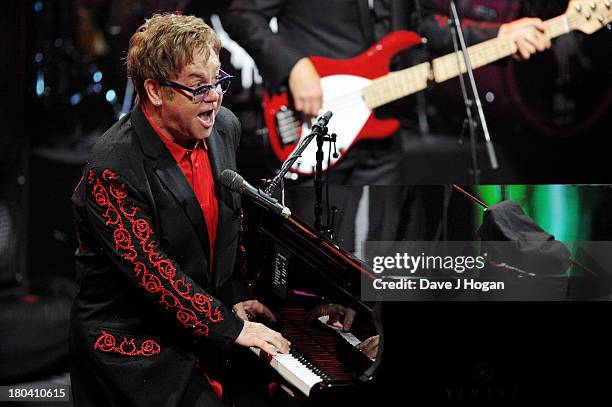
(349, 317)
(543, 41)
(333, 318)
(525, 49)
(267, 347)
(241, 313)
(529, 41)
(299, 103)
(537, 40)
(529, 47)
(540, 26)
(282, 345)
(276, 339)
(363, 344)
(372, 345)
(312, 108)
(338, 325)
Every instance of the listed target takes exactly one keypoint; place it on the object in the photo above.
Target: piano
(294, 269)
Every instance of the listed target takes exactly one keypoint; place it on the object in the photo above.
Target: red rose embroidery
(106, 342)
(182, 288)
(141, 229)
(149, 348)
(166, 269)
(201, 303)
(128, 347)
(186, 317)
(151, 283)
(131, 233)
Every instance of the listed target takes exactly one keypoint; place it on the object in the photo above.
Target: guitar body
(342, 82)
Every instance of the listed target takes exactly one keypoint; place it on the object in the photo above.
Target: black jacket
(330, 28)
(148, 305)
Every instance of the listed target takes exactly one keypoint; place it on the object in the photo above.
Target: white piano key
(294, 371)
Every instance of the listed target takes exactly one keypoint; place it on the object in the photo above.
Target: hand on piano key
(369, 347)
(339, 316)
(254, 308)
(260, 336)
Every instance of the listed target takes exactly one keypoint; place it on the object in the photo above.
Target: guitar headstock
(589, 16)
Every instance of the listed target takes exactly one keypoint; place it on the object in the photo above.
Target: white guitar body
(342, 96)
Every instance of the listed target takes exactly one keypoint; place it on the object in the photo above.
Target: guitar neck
(449, 66)
(399, 84)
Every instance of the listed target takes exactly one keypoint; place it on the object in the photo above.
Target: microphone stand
(319, 180)
(319, 130)
(457, 33)
(319, 127)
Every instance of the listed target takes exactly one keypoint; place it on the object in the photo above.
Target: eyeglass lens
(221, 87)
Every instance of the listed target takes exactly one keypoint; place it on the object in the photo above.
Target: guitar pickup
(288, 126)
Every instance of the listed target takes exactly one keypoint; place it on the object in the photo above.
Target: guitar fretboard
(399, 84)
(451, 65)
(396, 85)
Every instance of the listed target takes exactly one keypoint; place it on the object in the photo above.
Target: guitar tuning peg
(593, 5)
(607, 3)
(578, 8)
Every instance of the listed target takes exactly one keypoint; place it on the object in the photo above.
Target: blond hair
(164, 45)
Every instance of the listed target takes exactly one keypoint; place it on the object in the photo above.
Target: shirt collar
(177, 152)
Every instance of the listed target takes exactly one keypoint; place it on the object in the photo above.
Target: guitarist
(343, 29)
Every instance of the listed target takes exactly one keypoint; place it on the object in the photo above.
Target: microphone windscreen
(232, 180)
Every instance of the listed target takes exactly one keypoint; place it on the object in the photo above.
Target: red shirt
(195, 165)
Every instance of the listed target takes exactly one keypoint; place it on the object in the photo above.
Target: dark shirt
(333, 29)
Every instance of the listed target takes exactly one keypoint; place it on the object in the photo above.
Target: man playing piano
(159, 301)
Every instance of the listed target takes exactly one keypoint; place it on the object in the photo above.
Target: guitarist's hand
(305, 87)
(529, 35)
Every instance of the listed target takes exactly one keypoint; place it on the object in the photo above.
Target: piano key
(293, 370)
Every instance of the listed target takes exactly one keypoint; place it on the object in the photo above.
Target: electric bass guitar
(353, 88)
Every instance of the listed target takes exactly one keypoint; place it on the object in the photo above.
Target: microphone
(321, 123)
(232, 180)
